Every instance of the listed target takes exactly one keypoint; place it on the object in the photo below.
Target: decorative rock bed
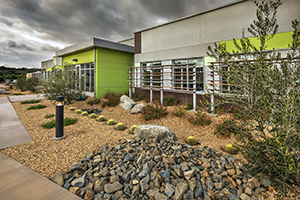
(143, 169)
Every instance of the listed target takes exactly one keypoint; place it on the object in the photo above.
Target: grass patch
(36, 107)
(30, 101)
(52, 124)
(49, 116)
(18, 94)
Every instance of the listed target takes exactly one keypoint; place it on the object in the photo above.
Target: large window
(183, 74)
(87, 71)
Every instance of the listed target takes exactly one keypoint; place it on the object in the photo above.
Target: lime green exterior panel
(112, 69)
(279, 41)
(82, 57)
(48, 69)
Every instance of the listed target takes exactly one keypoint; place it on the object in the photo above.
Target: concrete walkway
(12, 131)
(25, 97)
(18, 182)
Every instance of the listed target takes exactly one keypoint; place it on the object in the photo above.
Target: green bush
(154, 111)
(29, 84)
(30, 101)
(170, 101)
(111, 122)
(49, 116)
(101, 118)
(72, 108)
(67, 122)
(227, 126)
(231, 149)
(120, 126)
(242, 114)
(78, 111)
(64, 83)
(94, 101)
(113, 99)
(199, 118)
(189, 106)
(84, 113)
(93, 115)
(36, 107)
(132, 128)
(179, 111)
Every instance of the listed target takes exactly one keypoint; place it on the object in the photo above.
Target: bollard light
(59, 121)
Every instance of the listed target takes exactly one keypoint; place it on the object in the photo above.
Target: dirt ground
(48, 157)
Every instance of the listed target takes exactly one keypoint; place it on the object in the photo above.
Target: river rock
(137, 108)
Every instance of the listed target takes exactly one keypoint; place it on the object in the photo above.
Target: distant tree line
(13, 73)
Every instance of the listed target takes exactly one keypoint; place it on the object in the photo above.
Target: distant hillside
(12, 73)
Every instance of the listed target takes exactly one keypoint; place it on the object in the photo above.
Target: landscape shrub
(29, 84)
(30, 101)
(72, 108)
(84, 113)
(265, 84)
(120, 126)
(49, 116)
(93, 115)
(94, 101)
(179, 111)
(189, 106)
(242, 114)
(52, 124)
(36, 107)
(170, 100)
(136, 97)
(154, 111)
(132, 128)
(78, 111)
(113, 98)
(111, 122)
(227, 126)
(230, 149)
(79, 97)
(199, 118)
(101, 118)
(18, 93)
(64, 83)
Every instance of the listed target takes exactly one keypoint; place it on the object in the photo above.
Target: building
(104, 64)
(171, 58)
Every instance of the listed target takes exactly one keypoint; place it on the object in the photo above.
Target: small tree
(265, 85)
(65, 83)
(29, 84)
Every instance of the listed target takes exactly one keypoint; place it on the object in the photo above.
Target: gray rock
(233, 197)
(137, 108)
(266, 182)
(58, 179)
(99, 185)
(260, 190)
(128, 157)
(244, 197)
(177, 169)
(165, 173)
(111, 188)
(152, 193)
(160, 196)
(146, 170)
(180, 189)
(218, 186)
(135, 191)
(74, 167)
(2, 91)
(170, 189)
(79, 182)
(126, 103)
(155, 132)
(117, 195)
(198, 190)
(144, 184)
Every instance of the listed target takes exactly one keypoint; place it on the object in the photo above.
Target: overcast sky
(32, 30)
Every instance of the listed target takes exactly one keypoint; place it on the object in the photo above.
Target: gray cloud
(13, 44)
(59, 23)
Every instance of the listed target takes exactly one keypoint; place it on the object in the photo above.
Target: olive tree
(266, 85)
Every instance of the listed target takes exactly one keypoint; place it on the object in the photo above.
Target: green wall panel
(279, 41)
(86, 56)
(111, 70)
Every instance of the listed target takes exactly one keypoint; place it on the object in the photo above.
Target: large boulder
(137, 108)
(155, 132)
(126, 102)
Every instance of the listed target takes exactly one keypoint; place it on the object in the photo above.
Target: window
(152, 74)
(87, 71)
(183, 74)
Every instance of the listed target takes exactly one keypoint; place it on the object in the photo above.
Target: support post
(130, 82)
(161, 86)
(195, 90)
(151, 89)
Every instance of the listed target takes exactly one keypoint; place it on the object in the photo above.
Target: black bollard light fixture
(59, 134)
